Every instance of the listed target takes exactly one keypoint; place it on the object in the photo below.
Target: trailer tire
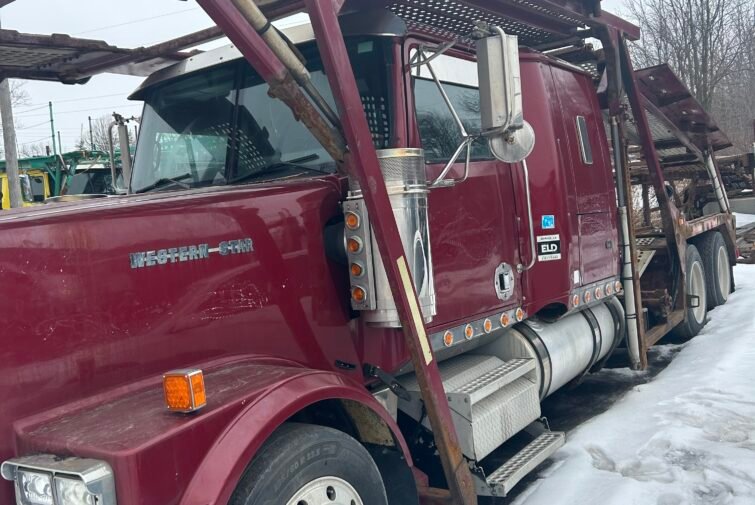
(717, 268)
(694, 319)
(303, 463)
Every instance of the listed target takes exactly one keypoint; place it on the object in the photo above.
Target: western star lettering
(189, 253)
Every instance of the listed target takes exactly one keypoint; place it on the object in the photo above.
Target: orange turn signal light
(448, 339)
(184, 390)
(352, 221)
(505, 320)
(356, 270)
(353, 245)
(358, 294)
(575, 301)
(468, 331)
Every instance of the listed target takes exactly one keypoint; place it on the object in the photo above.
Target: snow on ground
(744, 219)
(685, 437)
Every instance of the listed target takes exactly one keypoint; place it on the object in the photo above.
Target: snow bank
(744, 219)
(687, 437)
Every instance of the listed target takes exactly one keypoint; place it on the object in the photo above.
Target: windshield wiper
(163, 181)
(282, 165)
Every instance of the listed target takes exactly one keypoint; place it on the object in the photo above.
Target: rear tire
(695, 317)
(312, 465)
(715, 257)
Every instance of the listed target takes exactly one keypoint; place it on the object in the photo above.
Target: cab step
(490, 399)
(502, 480)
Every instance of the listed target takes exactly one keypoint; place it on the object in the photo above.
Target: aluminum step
(490, 399)
(502, 480)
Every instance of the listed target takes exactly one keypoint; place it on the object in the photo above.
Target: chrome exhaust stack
(406, 181)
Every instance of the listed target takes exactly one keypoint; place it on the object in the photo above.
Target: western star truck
(354, 257)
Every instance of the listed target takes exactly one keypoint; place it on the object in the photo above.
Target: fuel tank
(565, 349)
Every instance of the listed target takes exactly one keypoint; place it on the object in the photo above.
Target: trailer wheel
(717, 268)
(695, 317)
(303, 464)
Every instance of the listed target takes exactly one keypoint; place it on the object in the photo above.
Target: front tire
(696, 286)
(303, 464)
(715, 257)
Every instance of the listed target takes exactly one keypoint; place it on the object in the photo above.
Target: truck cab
(28, 196)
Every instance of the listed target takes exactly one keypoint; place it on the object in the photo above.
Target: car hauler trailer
(366, 300)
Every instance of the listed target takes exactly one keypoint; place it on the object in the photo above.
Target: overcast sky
(130, 23)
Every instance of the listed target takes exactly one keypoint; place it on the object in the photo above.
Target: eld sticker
(548, 221)
(548, 247)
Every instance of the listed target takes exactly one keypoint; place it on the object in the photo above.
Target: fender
(233, 450)
(162, 457)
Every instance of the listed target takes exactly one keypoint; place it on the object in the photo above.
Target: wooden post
(9, 141)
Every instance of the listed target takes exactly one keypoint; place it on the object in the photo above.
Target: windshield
(91, 182)
(220, 126)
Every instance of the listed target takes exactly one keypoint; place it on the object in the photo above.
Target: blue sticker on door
(548, 222)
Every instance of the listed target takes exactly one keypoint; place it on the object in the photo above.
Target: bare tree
(698, 38)
(100, 128)
(30, 150)
(734, 102)
(18, 97)
(710, 44)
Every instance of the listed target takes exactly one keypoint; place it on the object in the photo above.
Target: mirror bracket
(421, 58)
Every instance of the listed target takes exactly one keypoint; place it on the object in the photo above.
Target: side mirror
(510, 137)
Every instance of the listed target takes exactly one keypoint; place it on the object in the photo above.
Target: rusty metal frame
(361, 162)
(79, 59)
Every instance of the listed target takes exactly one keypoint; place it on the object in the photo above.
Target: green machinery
(71, 173)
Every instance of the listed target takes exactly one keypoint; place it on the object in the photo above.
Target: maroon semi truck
(366, 300)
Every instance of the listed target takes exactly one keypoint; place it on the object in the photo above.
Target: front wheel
(303, 464)
(697, 307)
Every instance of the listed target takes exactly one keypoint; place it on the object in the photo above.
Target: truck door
(472, 223)
(588, 160)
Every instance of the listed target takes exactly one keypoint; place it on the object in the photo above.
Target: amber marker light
(468, 331)
(358, 294)
(487, 325)
(352, 221)
(448, 339)
(184, 390)
(575, 300)
(505, 320)
(519, 314)
(598, 293)
(617, 286)
(356, 270)
(588, 297)
(609, 289)
(353, 245)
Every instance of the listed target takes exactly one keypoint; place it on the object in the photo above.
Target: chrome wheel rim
(326, 491)
(697, 288)
(724, 273)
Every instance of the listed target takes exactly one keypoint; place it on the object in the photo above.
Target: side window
(584, 140)
(438, 131)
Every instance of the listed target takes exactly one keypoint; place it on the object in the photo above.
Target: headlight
(73, 492)
(33, 488)
(49, 480)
